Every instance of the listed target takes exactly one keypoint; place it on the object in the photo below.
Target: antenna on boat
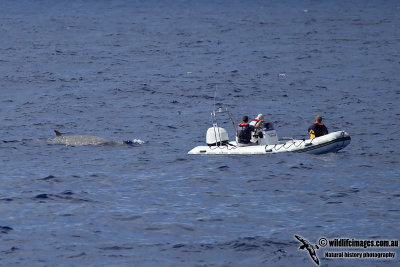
(220, 110)
(215, 94)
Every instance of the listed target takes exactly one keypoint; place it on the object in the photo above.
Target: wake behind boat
(217, 140)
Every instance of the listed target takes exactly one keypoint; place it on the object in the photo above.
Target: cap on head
(260, 116)
(245, 119)
(318, 118)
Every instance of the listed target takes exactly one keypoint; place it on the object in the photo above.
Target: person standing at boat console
(254, 122)
(257, 132)
(317, 128)
(244, 130)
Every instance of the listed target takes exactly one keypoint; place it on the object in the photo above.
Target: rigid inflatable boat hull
(332, 142)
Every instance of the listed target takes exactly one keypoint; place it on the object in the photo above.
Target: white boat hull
(332, 142)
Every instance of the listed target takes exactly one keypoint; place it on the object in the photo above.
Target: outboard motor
(269, 135)
(217, 136)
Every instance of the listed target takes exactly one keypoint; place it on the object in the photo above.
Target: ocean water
(149, 70)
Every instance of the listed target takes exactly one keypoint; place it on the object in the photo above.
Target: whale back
(77, 140)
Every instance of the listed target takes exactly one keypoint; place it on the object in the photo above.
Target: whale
(86, 140)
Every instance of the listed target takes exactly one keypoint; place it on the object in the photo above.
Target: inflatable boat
(267, 142)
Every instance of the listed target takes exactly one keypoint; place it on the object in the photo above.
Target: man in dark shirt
(244, 131)
(317, 128)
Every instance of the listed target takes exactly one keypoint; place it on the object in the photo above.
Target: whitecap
(137, 141)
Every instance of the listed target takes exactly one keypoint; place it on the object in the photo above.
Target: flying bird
(311, 249)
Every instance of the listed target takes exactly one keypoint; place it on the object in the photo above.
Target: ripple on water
(66, 195)
(5, 229)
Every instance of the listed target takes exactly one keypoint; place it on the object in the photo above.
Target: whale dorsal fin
(57, 133)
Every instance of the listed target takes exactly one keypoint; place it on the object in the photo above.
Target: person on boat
(317, 128)
(256, 133)
(244, 130)
(259, 117)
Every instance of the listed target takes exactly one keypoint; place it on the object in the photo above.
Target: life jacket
(317, 129)
(244, 133)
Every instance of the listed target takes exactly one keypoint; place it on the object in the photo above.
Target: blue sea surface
(149, 70)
